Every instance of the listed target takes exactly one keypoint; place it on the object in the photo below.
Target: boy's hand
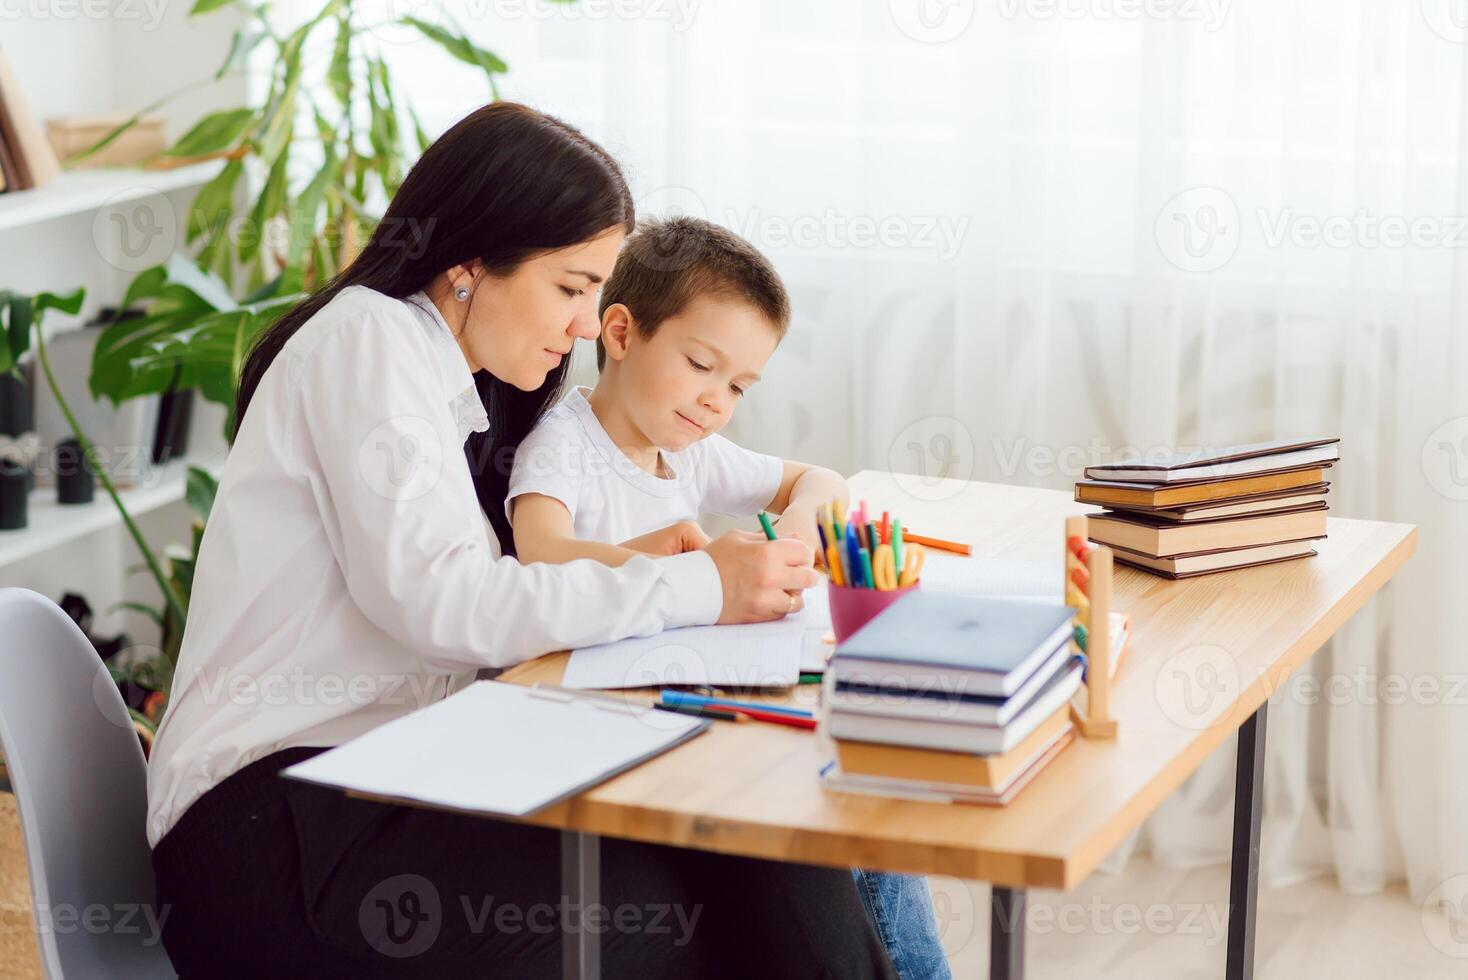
(799, 524)
(674, 539)
(762, 579)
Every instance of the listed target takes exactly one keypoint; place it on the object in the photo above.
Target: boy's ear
(616, 330)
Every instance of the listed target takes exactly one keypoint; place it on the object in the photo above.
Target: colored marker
(671, 696)
(777, 719)
(697, 712)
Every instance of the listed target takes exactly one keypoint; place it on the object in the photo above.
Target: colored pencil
(958, 547)
(777, 719)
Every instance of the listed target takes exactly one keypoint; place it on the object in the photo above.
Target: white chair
(80, 784)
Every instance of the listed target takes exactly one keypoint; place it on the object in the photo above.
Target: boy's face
(684, 383)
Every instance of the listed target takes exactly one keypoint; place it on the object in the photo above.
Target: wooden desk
(1204, 656)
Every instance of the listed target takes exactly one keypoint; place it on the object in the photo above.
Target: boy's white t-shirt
(570, 457)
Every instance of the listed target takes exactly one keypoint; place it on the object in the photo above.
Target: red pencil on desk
(794, 721)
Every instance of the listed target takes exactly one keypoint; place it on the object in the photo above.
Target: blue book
(936, 702)
(959, 644)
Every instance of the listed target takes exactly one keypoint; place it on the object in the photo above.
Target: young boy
(689, 317)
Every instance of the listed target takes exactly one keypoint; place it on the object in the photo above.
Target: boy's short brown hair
(668, 263)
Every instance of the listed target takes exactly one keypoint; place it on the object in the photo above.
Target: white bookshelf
(50, 524)
(85, 191)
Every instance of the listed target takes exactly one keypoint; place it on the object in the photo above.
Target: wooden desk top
(1204, 654)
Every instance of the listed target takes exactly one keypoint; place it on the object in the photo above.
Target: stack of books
(951, 698)
(1191, 514)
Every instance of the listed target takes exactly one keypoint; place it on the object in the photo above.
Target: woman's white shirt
(347, 575)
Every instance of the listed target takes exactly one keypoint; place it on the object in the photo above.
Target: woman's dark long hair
(504, 184)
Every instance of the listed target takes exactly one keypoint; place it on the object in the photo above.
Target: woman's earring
(461, 294)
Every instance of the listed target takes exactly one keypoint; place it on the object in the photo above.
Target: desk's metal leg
(1243, 889)
(1007, 934)
(580, 889)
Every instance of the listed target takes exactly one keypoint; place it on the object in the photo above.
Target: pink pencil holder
(851, 609)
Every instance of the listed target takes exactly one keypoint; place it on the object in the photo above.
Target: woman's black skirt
(269, 877)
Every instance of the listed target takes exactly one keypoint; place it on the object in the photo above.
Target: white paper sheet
(754, 655)
(997, 577)
(498, 749)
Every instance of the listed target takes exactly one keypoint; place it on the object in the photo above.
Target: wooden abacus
(1088, 589)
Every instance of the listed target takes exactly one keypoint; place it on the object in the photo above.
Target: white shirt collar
(457, 380)
(617, 460)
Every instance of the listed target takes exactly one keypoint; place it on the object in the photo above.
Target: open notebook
(751, 655)
(774, 654)
(499, 749)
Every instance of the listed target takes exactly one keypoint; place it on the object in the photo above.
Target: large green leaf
(210, 289)
(271, 203)
(460, 47)
(304, 209)
(214, 203)
(68, 303)
(279, 120)
(145, 285)
(339, 75)
(241, 44)
(183, 296)
(23, 313)
(215, 132)
(199, 489)
(154, 354)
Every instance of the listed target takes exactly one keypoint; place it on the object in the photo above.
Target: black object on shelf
(75, 479)
(171, 438)
(14, 479)
(16, 416)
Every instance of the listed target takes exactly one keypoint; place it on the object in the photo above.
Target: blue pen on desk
(679, 697)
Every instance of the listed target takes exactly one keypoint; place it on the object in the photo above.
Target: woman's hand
(762, 579)
(674, 539)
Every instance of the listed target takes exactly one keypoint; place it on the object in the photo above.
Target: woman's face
(519, 327)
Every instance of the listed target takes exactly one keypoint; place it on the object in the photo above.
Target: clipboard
(499, 749)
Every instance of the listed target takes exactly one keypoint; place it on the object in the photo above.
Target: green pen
(897, 545)
(866, 569)
(764, 522)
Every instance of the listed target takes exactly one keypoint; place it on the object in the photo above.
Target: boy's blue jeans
(902, 912)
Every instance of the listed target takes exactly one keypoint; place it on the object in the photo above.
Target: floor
(1155, 922)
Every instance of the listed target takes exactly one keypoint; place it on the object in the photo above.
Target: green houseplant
(341, 119)
(22, 316)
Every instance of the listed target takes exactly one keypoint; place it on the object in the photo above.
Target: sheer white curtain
(1022, 236)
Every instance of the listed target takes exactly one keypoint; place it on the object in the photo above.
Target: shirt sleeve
(405, 526)
(738, 482)
(550, 461)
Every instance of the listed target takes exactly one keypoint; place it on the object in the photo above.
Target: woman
(352, 572)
